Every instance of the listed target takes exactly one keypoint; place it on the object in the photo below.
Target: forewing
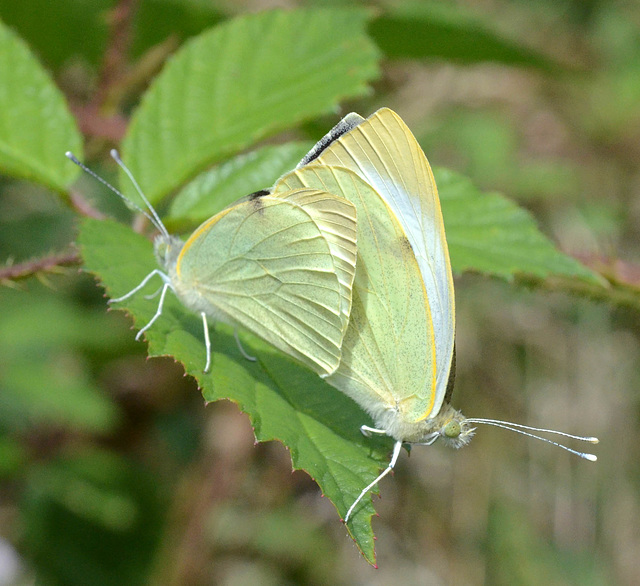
(388, 353)
(383, 151)
(265, 265)
(336, 218)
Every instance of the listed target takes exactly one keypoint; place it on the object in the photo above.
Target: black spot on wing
(348, 123)
(258, 194)
(405, 244)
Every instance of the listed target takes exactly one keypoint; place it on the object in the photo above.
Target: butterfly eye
(452, 429)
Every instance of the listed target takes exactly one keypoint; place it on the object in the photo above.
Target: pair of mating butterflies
(344, 266)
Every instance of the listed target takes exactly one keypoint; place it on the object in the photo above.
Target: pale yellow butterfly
(398, 353)
(281, 267)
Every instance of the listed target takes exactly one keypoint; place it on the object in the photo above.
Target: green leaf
(61, 31)
(158, 20)
(53, 391)
(84, 512)
(285, 402)
(13, 457)
(429, 30)
(43, 379)
(219, 187)
(240, 82)
(36, 127)
(490, 234)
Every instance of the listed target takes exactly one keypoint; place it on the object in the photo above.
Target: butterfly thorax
(168, 250)
(449, 425)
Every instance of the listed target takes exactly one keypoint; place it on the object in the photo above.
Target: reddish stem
(45, 264)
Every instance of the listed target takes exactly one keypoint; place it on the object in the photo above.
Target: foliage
(195, 141)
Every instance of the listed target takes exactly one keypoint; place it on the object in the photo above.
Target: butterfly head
(451, 426)
(167, 249)
(457, 431)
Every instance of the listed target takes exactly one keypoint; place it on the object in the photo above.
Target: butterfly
(398, 354)
(280, 267)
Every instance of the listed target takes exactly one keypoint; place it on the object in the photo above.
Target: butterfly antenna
(518, 428)
(104, 182)
(158, 222)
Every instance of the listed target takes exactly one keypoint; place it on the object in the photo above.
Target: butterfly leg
(242, 350)
(429, 439)
(155, 293)
(158, 272)
(158, 311)
(389, 468)
(207, 341)
(366, 430)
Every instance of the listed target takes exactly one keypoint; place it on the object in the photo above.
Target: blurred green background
(112, 470)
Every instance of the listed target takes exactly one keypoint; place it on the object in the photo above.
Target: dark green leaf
(441, 31)
(157, 20)
(285, 401)
(91, 517)
(12, 457)
(44, 381)
(59, 31)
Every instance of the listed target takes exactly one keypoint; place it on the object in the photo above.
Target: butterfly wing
(336, 219)
(383, 151)
(265, 264)
(388, 353)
